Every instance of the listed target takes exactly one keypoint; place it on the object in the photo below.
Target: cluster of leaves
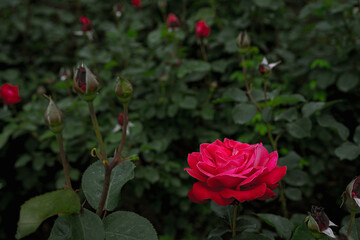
(181, 100)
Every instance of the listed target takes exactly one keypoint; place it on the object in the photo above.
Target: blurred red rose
(172, 21)
(136, 3)
(9, 94)
(86, 24)
(202, 30)
(231, 170)
(121, 119)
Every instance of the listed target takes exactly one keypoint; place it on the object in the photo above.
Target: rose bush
(231, 170)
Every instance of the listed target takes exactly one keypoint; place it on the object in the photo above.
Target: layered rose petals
(231, 170)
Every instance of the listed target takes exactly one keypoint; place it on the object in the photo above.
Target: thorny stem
(234, 219)
(63, 160)
(270, 136)
(203, 52)
(97, 132)
(105, 190)
(352, 219)
(123, 134)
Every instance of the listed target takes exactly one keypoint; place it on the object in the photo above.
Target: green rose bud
(54, 118)
(123, 89)
(243, 40)
(85, 83)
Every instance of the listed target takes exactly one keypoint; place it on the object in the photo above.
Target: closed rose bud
(9, 94)
(136, 3)
(54, 118)
(172, 21)
(265, 68)
(318, 223)
(243, 40)
(86, 24)
(202, 30)
(121, 119)
(123, 89)
(118, 10)
(85, 83)
(352, 195)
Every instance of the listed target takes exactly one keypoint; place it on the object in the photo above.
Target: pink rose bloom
(202, 30)
(231, 170)
(9, 94)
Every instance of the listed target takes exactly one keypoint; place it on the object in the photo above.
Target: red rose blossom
(172, 21)
(202, 30)
(231, 170)
(86, 24)
(121, 119)
(9, 94)
(136, 3)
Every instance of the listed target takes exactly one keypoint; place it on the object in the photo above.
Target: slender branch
(352, 219)
(97, 132)
(63, 160)
(248, 90)
(105, 190)
(203, 52)
(234, 219)
(265, 90)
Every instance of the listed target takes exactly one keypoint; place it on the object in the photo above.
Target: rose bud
(352, 195)
(136, 3)
(243, 40)
(118, 10)
(121, 119)
(86, 24)
(202, 30)
(232, 171)
(9, 94)
(54, 118)
(318, 223)
(172, 22)
(85, 83)
(123, 89)
(64, 73)
(265, 67)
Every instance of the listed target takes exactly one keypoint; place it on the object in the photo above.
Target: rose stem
(352, 218)
(234, 219)
(63, 160)
(203, 52)
(270, 136)
(97, 132)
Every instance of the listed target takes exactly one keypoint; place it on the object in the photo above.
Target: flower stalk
(352, 219)
(63, 160)
(123, 135)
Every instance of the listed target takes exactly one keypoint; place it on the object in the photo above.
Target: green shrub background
(313, 99)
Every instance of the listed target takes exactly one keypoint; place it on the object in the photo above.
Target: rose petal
(243, 195)
(193, 159)
(251, 178)
(193, 198)
(206, 169)
(196, 174)
(329, 232)
(268, 194)
(228, 181)
(274, 176)
(202, 192)
(205, 155)
(261, 156)
(271, 164)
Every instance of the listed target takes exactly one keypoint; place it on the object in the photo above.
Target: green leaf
(309, 108)
(347, 81)
(79, 226)
(287, 99)
(191, 66)
(188, 102)
(34, 211)
(327, 120)
(250, 236)
(296, 177)
(128, 226)
(357, 135)
(301, 233)
(243, 113)
(300, 128)
(282, 225)
(266, 114)
(291, 160)
(235, 94)
(293, 193)
(347, 150)
(6, 133)
(208, 112)
(290, 115)
(93, 179)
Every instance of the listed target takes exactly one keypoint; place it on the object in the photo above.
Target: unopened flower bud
(243, 40)
(265, 68)
(213, 85)
(121, 119)
(351, 196)
(123, 89)
(54, 118)
(118, 10)
(85, 83)
(318, 223)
